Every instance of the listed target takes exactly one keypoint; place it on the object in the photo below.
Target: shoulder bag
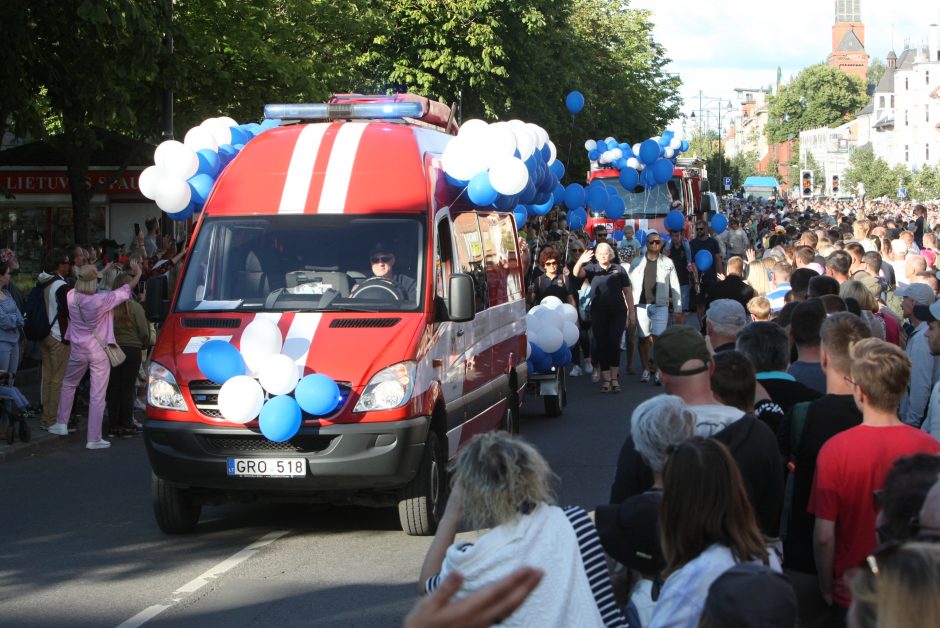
(115, 353)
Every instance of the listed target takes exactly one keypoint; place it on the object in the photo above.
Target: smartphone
(136, 228)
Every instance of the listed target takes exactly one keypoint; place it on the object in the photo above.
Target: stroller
(12, 414)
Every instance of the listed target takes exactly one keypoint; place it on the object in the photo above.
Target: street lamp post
(703, 109)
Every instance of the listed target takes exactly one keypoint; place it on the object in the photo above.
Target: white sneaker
(623, 341)
(139, 404)
(658, 379)
(588, 368)
(97, 444)
(59, 429)
(575, 371)
(645, 377)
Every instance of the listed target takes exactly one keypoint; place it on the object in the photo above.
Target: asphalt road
(80, 546)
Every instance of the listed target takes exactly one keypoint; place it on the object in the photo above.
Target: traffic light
(835, 185)
(806, 181)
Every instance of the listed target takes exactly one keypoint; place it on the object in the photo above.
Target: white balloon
(675, 143)
(550, 319)
(569, 312)
(551, 302)
(554, 152)
(150, 181)
(537, 131)
(533, 338)
(636, 149)
(610, 140)
(176, 158)
(655, 138)
(454, 160)
(219, 130)
(198, 138)
(590, 145)
(502, 140)
(472, 127)
(604, 158)
(528, 350)
(535, 309)
(571, 333)
(551, 339)
(668, 153)
(508, 175)
(532, 323)
(173, 195)
(278, 374)
(616, 153)
(227, 121)
(633, 162)
(262, 338)
(240, 399)
(524, 139)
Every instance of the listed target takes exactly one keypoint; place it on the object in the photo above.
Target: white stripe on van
(339, 169)
(299, 338)
(300, 171)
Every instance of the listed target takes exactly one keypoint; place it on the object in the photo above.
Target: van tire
(174, 509)
(423, 499)
(555, 404)
(510, 423)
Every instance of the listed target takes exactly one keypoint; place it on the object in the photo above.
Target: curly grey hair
(499, 476)
(659, 423)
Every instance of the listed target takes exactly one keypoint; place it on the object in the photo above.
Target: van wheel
(555, 404)
(423, 500)
(510, 422)
(174, 509)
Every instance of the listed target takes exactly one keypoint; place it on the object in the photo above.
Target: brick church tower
(848, 40)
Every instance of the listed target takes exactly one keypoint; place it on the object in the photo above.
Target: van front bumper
(344, 457)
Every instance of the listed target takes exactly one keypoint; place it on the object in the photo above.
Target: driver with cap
(383, 267)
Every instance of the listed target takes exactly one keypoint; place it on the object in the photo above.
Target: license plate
(267, 467)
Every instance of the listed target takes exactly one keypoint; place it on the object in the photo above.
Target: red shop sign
(57, 182)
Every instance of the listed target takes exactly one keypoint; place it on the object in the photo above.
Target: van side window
(512, 263)
(496, 258)
(443, 259)
(470, 255)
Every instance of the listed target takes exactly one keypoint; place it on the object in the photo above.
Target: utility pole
(167, 92)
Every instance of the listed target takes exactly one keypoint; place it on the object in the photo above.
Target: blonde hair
(903, 592)
(500, 476)
(609, 248)
(757, 277)
(759, 308)
(882, 370)
(854, 289)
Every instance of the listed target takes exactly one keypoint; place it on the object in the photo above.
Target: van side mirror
(157, 299)
(705, 186)
(461, 302)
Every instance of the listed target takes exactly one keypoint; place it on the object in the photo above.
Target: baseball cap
(928, 313)
(676, 346)
(919, 292)
(629, 532)
(726, 312)
(751, 595)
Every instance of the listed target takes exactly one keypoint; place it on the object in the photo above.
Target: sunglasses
(382, 259)
(649, 242)
(577, 250)
(550, 262)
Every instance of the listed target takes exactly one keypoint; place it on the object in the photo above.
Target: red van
(291, 232)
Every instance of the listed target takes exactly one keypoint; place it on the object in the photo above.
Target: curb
(40, 442)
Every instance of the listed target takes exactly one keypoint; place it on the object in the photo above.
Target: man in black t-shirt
(707, 278)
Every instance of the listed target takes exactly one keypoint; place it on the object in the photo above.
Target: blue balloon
(227, 150)
(561, 357)
(280, 418)
(269, 124)
(455, 182)
(505, 203)
(542, 208)
(685, 146)
(537, 353)
(521, 214)
(253, 128)
(620, 164)
(317, 394)
(574, 196)
(577, 219)
(615, 207)
(704, 260)
(532, 165)
(209, 162)
(546, 152)
(558, 194)
(239, 135)
(719, 223)
(597, 197)
(543, 363)
(480, 190)
(618, 235)
(594, 155)
(649, 151)
(557, 168)
(629, 178)
(641, 236)
(662, 170)
(201, 187)
(186, 213)
(627, 150)
(675, 221)
(602, 146)
(220, 361)
(574, 101)
(528, 193)
(665, 138)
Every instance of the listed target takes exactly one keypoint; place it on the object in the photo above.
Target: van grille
(260, 444)
(211, 323)
(205, 395)
(359, 323)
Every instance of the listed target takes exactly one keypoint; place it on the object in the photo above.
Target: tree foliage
(879, 178)
(819, 96)
(876, 70)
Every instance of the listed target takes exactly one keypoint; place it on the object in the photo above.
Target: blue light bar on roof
(331, 111)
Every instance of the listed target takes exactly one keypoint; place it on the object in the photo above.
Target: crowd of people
(91, 297)
(789, 474)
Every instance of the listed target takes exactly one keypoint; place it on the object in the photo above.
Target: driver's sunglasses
(381, 259)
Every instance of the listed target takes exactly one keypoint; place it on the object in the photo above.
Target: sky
(719, 45)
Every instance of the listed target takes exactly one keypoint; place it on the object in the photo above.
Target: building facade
(848, 40)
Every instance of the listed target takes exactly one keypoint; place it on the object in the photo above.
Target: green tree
(819, 96)
(925, 183)
(742, 166)
(876, 70)
(879, 178)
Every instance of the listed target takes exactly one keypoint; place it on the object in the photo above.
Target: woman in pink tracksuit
(90, 315)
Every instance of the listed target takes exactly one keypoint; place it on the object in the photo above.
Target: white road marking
(197, 583)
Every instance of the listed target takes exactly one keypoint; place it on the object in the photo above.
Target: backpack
(797, 424)
(36, 318)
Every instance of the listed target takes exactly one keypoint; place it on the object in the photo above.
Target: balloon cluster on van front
(183, 173)
(260, 382)
(551, 331)
(512, 166)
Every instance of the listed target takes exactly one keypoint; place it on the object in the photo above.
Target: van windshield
(649, 203)
(313, 263)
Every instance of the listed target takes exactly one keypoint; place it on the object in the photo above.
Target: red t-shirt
(851, 466)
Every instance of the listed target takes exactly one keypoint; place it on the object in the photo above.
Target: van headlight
(389, 388)
(162, 389)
